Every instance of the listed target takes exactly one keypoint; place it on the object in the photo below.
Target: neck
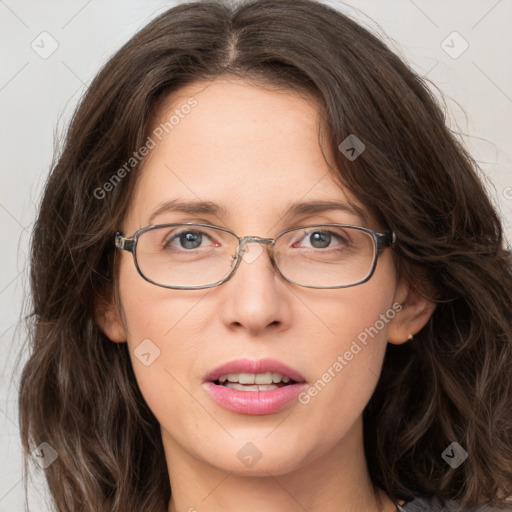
(334, 481)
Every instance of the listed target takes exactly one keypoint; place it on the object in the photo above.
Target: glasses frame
(381, 241)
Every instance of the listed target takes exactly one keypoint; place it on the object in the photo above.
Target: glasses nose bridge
(257, 239)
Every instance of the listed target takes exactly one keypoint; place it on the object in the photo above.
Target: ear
(414, 315)
(108, 318)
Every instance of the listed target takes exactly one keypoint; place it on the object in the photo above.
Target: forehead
(251, 150)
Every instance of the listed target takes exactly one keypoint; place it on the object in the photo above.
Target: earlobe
(414, 315)
(108, 318)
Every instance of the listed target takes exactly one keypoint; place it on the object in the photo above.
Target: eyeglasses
(191, 256)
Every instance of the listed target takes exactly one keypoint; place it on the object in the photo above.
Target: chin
(252, 461)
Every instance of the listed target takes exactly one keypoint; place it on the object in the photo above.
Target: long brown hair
(453, 382)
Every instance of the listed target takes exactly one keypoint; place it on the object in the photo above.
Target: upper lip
(252, 366)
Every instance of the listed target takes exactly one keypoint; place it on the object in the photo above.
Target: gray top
(435, 504)
(422, 504)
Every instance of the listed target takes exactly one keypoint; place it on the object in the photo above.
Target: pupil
(323, 239)
(189, 240)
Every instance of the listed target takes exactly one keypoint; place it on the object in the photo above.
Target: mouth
(251, 373)
(254, 382)
(254, 387)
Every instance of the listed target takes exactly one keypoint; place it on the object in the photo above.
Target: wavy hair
(453, 382)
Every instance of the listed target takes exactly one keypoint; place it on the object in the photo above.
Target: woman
(266, 276)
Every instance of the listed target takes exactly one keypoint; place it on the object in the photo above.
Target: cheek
(157, 322)
(361, 313)
(354, 331)
(349, 351)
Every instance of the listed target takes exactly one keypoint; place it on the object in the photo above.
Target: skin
(254, 150)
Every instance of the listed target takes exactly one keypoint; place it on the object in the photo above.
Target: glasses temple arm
(385, 240)
(125, 244)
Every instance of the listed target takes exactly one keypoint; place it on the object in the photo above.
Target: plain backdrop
(462, 46)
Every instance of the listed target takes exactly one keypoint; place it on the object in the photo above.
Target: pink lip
(254, 402)
(250, 366)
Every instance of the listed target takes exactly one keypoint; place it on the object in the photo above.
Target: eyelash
(175, 236)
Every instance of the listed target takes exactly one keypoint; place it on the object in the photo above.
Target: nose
(254, 296)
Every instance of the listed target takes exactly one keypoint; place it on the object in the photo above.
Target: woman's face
(253, 153)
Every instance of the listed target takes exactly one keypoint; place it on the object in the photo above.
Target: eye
(187, 239)
(322, 239)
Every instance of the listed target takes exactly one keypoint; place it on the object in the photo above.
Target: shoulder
(436, 504)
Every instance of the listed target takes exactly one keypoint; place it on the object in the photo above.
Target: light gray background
(37, 96)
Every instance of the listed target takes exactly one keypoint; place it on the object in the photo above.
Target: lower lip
(254, 402)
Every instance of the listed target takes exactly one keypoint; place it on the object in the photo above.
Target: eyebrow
(310, 207)
(192, 207)
(294, 209)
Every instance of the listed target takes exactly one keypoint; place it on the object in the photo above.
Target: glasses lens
(325, 256)
(186, 255)
(192, 255)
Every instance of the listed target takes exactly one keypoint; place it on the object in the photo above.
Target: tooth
(257, 379)
(246, 378)
(241, 387)
(267, 387)
(263, 378)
